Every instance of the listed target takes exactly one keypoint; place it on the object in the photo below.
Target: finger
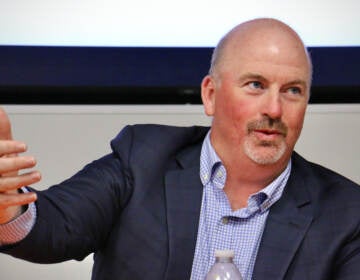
(8, 200)
(16, 163)
(5, 126)
(16, 182)
(9, 147)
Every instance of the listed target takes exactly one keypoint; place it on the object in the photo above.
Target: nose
(272, 105)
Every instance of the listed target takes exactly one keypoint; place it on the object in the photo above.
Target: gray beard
(274, 151)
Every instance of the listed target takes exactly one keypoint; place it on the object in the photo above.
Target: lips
(269, 131)
(268, 134)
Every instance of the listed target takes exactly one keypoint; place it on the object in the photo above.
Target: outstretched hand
(11, 199)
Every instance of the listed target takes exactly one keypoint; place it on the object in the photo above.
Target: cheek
(295, 123)
(234, 110)
(237, 115)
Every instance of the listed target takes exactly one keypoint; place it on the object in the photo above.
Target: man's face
(258, 102)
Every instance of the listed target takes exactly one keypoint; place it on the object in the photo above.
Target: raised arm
(11, 179)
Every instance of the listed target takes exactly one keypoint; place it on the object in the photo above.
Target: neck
(244, 171)
(245, 177)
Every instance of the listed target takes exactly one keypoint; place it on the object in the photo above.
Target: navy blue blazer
(138, 208)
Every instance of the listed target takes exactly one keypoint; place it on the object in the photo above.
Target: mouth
(269, 131)
(268, 134)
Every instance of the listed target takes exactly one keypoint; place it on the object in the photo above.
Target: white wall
(188, 23)
(64, 138)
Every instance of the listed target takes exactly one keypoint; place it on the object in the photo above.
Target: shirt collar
(209, 161)
(213, 171)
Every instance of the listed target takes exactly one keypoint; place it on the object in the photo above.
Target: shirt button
(225, 220)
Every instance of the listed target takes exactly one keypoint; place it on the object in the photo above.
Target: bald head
(265, 35)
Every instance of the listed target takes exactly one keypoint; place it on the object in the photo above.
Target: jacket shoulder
(324, 179)
(153, 141)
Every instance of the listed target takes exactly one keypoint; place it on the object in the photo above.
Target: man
(160, 204)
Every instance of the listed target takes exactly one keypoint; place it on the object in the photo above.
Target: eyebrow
(251, 76)
(297, 82)
(254, 76)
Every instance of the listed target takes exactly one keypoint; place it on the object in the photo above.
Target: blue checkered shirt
(222, 228)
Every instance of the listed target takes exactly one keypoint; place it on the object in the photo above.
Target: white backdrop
(169, 23)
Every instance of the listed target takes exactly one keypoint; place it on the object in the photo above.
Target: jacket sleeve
(75, 217)
(348, 262)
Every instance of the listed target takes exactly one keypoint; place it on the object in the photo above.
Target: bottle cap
(224, 254)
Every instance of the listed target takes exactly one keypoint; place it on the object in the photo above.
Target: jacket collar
(183, 199)
(288, 221)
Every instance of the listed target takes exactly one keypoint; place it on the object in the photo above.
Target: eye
(294, 90)
(255, 85)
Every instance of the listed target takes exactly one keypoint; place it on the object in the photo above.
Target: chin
(265, 153)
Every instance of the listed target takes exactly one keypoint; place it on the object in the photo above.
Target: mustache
(268, 124)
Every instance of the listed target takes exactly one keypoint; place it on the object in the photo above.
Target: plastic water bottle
(224, 267)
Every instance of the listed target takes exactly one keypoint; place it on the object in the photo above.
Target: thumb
(5, 126)
(5, 134)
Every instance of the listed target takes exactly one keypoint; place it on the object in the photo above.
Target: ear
(208, 95)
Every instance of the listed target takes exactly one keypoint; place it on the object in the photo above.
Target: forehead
(253, 49)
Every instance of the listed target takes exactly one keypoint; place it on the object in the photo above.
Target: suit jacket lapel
(286, 226)
(183, 200)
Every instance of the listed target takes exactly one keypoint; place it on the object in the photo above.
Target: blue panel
(139, 75)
